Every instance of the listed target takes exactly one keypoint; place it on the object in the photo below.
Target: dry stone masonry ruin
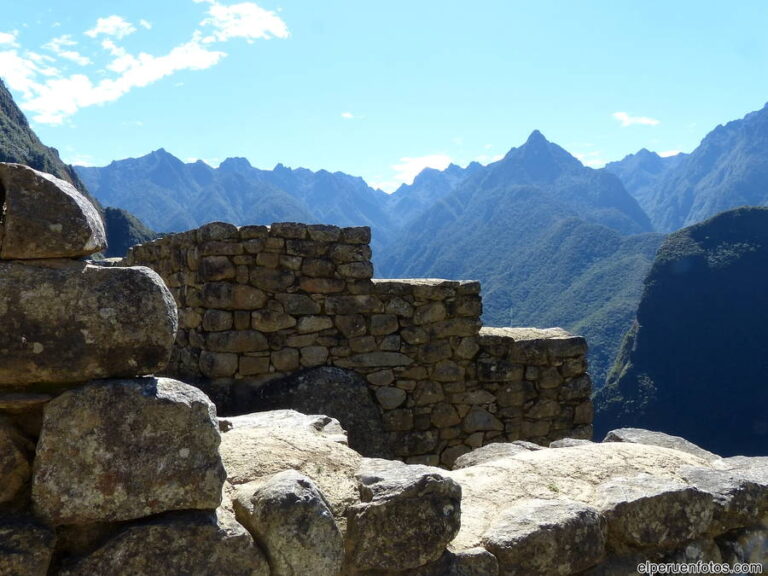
(130, 474)
(257, 303)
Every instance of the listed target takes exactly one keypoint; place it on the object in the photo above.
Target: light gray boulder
(407, 516)
(645, 511)
(191, 543)
(652, 438)
(124, 449)
(488, 453)
(289, 517)
(547, 538)
(45, 217)
(66, 322)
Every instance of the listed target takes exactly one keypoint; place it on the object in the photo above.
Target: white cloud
(9, 38)
(115, 26)
(52, 95)
(592, 159)
(410, 167)
(669, 153)
(627, 120)
(58, 98)
(347, 115)
(59, 47)
(244, 20)
(488, 158)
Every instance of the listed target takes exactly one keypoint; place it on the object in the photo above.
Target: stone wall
(258, 303)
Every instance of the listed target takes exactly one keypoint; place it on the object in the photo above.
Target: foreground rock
(26, 547)
(15, 461)
(125, 449)
(262, 444)
(417, 507)
(45, 217)
(649, 512)
(653, 438)
(488, 453)
(192, 544)
(289, 517)
(528, 538)
(66, 321)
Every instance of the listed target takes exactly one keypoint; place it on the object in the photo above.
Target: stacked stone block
(85, 462)
(258, 303)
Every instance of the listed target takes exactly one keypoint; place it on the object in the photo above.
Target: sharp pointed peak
(536, 137)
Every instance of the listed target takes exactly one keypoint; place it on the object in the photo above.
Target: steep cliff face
(694, 363)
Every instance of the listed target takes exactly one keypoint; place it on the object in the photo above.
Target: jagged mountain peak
(235, 164)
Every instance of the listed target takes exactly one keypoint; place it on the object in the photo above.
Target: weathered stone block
(236, 341)
(26, 546)
(226, 296)
(417, 507)
(217, 364)
(286, 360)
(298, 304)
(123, 449)
(217, 320)
(272, 280)
(480, 419)
(66, 321)
(383, 324)
(271, 321)
(389, 397)
(288, 230)
(314, 324)
(324, 233)
(428, 313)
(252, 365)
(45, 217)
(292, 521)
(318, 268)
(322, 286)
(314, 355)
(359, 304)
(528, 537)
(16, 452)
(375, 359)
(192, 543)
(356, 235)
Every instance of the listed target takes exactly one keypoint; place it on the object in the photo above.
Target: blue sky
(380, 89)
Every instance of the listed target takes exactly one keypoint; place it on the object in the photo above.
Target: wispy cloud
(347, 115)
(244, 20)
(115, 26)
(8, 38)
(669, 153)
(61, 47)
(627, 120)
(52, 94)
(408, 168)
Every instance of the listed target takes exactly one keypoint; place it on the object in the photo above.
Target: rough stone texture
(191, 543)
(417, 507)
(652, 438)
(488, 453)
(45, 217)
(648, 512)
(546, 538)
(123, 449)
(66, 321)
(26, 546)
(267, 445)
(302, 299)
(746, 546)
(738, 498)
(15, 461)
(289, 517)
(326, 426)
(472, 562)
(331, 391)
(563, 473)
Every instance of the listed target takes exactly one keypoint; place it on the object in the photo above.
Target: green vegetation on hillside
(694, 363)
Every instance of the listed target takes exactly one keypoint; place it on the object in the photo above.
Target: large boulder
(45, 217)
(287, 514)
(547, 538)
(191, 543)
(66, 321)
(488, 453)
(123, 449)
(654, 438)
(26, 546)
(407, 516)
(264, 444)
(648, 512)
